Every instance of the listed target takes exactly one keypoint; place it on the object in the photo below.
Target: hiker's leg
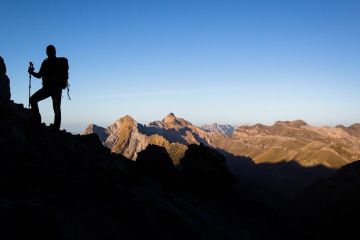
(41, 94)
(56, 98)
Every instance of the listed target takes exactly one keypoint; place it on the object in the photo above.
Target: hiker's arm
(37, 74)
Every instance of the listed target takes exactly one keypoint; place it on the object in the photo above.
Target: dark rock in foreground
(204, 170)
(155, 162)
(61, 186)
(329, 208)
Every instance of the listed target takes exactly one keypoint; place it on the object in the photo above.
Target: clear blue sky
(207, 61)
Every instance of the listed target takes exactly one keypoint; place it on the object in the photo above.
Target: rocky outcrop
(4, 84)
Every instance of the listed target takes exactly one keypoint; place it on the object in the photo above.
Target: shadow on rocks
(203, 170)
(154, 162)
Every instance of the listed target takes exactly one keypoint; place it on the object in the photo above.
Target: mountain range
(298, 141)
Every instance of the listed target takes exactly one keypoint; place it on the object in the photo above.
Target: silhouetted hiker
(54, 74)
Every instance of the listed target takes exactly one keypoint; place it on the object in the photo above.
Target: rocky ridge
(283, 141)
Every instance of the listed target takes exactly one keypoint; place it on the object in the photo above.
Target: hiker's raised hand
(31, 70)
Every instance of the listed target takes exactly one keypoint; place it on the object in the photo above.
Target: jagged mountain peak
(172, 120)
(127, 119)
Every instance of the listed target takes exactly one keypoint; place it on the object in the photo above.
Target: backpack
(62, 73)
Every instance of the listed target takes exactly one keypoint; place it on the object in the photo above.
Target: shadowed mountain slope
(329, 208)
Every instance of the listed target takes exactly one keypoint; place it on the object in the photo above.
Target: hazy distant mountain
(283, 141)
(226, 129)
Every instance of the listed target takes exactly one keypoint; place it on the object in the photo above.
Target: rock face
(125, 138)
(4, 84)
(283, 141)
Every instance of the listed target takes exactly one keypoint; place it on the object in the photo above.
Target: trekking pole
(31, 67)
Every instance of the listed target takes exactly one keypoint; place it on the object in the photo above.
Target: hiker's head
(51, 51)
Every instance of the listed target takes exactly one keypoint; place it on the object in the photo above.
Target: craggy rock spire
(4, 84)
